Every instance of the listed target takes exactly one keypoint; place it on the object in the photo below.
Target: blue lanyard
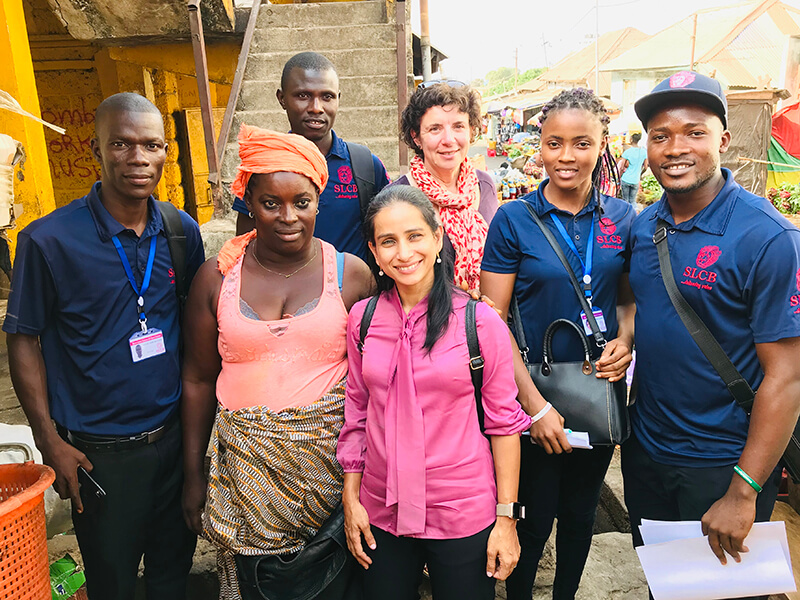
(587, 266)
(145, 282)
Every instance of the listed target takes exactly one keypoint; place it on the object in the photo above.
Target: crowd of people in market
(391, 381)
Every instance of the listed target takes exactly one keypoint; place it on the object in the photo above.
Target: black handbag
(323, 568)
(586, 402)
(737, 385)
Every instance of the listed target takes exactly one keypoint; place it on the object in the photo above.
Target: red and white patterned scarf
(464, 225)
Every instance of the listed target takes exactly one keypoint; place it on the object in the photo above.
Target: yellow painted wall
(33, 187)
(69, 99)
(74, 77)
(70, 96)
(196, 150)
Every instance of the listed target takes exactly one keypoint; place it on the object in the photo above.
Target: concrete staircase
(359, 38)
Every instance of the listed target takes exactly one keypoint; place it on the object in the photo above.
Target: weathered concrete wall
(110, 19)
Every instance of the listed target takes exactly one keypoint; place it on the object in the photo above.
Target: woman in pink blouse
(422, 484)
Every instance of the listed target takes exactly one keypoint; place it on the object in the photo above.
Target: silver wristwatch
(515, 510)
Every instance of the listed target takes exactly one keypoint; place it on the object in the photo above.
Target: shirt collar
(713, 218)
(542, 206)
(338, 147)
(108, 226)
(420, 310)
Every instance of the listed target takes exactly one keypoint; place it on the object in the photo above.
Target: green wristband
(751, 482)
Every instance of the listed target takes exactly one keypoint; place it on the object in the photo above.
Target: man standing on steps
(693, 453)
(93, 328)
(309, 94)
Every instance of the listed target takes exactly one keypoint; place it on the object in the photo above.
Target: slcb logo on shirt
(700, 277)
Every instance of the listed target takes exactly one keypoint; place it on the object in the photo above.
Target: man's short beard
(703, 179)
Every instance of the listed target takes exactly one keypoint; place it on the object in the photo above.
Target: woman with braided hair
(519, 264)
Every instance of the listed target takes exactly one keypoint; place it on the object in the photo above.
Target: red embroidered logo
(700, 277)
(681, 79)
(171, 274)
(608, 239)
(707, 256)
(345, 174)
(607, 226)
(794, 301)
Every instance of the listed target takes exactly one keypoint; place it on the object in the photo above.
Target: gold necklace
(255, 255)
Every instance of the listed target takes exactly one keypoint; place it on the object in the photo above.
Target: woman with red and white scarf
(439, 123)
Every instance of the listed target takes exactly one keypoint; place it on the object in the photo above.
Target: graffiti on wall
(72, 165)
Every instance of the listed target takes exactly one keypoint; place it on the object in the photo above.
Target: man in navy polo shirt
(736, 260)
(93, 345)
(309, 94)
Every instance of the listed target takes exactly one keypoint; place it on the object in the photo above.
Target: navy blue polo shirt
(339, 218)
(515, 244)
(737, 264)
(70, 289)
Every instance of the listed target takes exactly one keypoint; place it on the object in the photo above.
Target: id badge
(145, 344)
(598, 316)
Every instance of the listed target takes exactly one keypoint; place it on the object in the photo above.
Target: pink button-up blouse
(411, 425)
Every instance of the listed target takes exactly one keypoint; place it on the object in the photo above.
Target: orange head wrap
(265, 151)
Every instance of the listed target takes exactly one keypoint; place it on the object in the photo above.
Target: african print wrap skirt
(274, 480)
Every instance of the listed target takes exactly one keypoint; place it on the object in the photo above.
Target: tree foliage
(502, 79)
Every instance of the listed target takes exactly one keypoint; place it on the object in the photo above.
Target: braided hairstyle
(605, 175)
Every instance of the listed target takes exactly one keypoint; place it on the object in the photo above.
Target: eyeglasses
(451, 82)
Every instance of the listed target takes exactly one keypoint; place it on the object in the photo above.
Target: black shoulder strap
(599, 339)
(176, 240)
(705, 340)
(476, 361)
(363, 173)
(366, 319)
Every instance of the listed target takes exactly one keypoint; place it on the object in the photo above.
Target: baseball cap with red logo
(684, 87)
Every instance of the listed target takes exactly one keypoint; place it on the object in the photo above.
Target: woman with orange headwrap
(265, 363)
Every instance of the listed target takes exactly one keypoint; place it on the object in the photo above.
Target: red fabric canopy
(786, 128)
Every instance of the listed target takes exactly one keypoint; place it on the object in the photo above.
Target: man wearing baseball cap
(694, 454)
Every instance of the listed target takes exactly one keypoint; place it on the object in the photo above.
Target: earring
(380, 273)
(250, 214)
(317, 212)
(438, 259)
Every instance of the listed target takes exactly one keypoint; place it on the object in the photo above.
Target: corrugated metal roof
(580, 64)
(671, 47)
(754, 58)
(538, 99)
(521, 101)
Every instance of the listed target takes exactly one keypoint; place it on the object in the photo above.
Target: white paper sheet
(685, 568)
(658, 532)
(576, 439)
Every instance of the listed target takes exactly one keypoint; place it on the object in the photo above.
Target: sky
(480, 35)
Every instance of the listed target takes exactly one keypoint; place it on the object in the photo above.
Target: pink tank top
(285, 363)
